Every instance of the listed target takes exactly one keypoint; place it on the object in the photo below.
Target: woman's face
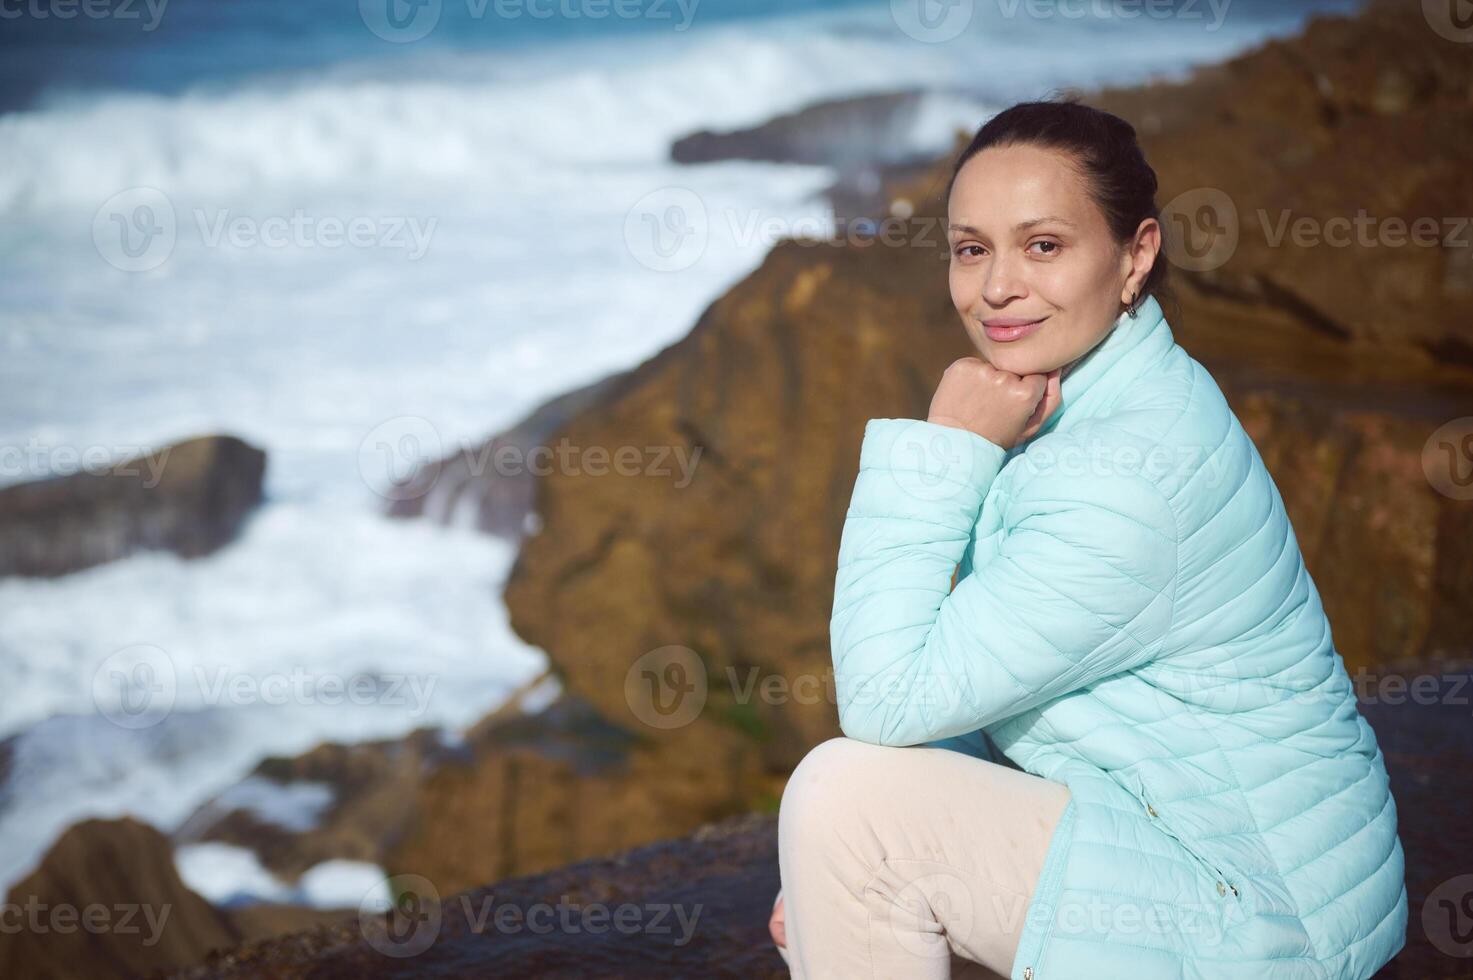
(1036, 275)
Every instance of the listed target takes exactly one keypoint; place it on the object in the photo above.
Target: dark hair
(1104, 148)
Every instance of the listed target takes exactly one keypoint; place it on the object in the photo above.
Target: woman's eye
(1052, 251)
(964, 250)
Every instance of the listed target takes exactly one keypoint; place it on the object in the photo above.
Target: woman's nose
(1003, 283)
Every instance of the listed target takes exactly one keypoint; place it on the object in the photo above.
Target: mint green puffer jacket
(1131, 617)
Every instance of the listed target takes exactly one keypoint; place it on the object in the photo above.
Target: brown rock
(1358, 118)
(524, 793)
(189, 498)
(106, 901)
(857, 131)
(374, 787)
(772, 388)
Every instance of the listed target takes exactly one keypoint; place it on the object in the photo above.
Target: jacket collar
(1132, 346)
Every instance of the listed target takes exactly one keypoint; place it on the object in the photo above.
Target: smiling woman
(1132, 625)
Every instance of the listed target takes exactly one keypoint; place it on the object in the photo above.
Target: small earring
(1131, 306)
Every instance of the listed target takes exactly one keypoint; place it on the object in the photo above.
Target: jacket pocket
(1226, 879)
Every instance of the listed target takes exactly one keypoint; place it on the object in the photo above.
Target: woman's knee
(831, 783)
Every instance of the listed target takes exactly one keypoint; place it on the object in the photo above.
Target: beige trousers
(909, 862)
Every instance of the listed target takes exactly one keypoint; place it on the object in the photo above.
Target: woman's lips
(1003, 332)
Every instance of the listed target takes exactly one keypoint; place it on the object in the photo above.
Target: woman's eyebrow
(1020, 226)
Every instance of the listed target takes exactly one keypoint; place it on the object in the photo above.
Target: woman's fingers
(775, 925)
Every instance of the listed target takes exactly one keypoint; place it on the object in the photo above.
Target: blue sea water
(499, 162)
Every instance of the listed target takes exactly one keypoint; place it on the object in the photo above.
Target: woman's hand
(775, 924)
(999, 406)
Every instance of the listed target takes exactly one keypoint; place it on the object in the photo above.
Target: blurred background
(425, 427)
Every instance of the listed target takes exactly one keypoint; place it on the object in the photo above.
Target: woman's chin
(1017, 362)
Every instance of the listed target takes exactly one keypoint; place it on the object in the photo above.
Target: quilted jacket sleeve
(1080, 587)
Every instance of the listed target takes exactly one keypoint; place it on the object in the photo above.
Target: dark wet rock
(869, 140)
(189, 498)
(729, 870)
(722, 878)
(861, 131)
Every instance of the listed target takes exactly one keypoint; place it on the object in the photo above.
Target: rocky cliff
(1343, 361)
